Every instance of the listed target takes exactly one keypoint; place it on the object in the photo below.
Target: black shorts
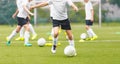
(89, 22)
(64, 24)
(22, 21)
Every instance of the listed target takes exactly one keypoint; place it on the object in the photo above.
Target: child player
(22, 18)
(89, 20)
(21, 37)
(59, 19)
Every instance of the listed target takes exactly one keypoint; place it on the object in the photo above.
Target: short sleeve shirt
(88, 8)
(58, 8)
(22, 12)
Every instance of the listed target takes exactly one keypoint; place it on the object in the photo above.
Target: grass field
(104, 50)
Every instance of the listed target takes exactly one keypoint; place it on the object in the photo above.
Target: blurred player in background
(22, 18)
(21, 37)
(59, 19)
(89, 20)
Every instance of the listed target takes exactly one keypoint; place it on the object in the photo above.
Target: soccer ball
(41, 42)
(83, 36)
(69, 51)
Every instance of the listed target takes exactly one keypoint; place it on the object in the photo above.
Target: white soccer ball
(83, 36)
(41, 42)
(69, 51)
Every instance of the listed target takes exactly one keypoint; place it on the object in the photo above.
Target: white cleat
(53, 49)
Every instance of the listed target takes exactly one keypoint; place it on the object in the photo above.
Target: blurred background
(106, 11)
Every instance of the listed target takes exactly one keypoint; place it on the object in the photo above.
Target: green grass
(104, 50)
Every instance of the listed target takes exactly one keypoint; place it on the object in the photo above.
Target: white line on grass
(98, 41)
(92, 41)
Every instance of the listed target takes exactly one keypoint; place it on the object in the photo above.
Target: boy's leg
(52, 34)
(9, 38)
(88, 31)
(70, 37)
(34, 35)
(27, 35)
(66, 26)
(91, 33)
(55, 39)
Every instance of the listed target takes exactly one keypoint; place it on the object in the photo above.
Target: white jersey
(51, 7)
(88, 8)
(22, 12)
(58, 8)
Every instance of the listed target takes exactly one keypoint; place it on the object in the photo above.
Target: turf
(104, 50)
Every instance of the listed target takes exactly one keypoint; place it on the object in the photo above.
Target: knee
(17, 30)
(86, 27)
(55, 34)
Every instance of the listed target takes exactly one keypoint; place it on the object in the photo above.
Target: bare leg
(56, 33)
(70, 37)
(14, 33)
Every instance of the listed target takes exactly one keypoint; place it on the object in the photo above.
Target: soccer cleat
(28, 44)
(34, 37)
(94, 37)
(20, 39)
(53, 49)
(8, 43)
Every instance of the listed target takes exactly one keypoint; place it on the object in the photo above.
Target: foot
(20, 39)
(53, 49)
(8, 42)
(28, 44)
(34, 37)
(94, 37)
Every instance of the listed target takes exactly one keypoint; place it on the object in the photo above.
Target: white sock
(26, 36)
(32, 29)
(12, 35)
(71, 43)
(22, 32)
(55, 41)
(89, 34)
(92, 32)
